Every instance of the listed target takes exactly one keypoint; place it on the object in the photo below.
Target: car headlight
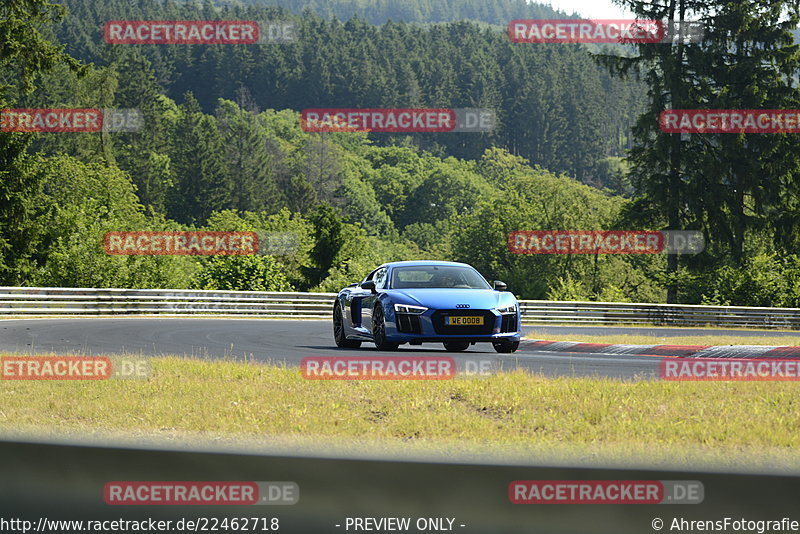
(406, 308)
(508, 310)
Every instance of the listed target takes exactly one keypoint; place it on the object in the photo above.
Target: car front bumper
(429, 327)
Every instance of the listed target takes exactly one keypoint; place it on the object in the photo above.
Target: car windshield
(437, 276)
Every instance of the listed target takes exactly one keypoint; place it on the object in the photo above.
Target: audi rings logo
(462, 305)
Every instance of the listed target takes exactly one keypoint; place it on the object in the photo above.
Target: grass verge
(627, 339)
(511, 415)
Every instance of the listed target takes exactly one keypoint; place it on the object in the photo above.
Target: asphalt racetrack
(288, 341)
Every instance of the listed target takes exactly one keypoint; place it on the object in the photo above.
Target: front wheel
(338, 331)
(505, 347)
(379, 331)
(455, 346)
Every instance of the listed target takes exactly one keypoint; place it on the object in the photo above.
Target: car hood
(481, 299)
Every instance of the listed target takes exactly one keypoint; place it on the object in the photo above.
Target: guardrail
(24, 301)
(84, 301)
(53, 482)
(537, 311)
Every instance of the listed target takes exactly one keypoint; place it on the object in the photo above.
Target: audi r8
(418, 302)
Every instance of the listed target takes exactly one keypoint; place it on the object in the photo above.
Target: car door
(355, 303)
(367, 303)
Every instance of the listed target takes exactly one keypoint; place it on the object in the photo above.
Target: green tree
(328, 240)
(448, 191)
(727, 184)
(77, 205)
(249, 160)
(289, 262)
(534, 199)
(25, 52)
(242, 273)
(202, 181)
(146, 154)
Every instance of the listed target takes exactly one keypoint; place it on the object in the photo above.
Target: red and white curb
(663, 351)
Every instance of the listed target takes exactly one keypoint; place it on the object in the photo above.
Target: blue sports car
(419, 302)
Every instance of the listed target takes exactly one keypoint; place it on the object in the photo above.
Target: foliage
(544, 95)
(222, 148)
(764, 280)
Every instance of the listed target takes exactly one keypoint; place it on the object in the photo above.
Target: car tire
(455, 346)
(379, 330)
(505, 347)
(338, 331)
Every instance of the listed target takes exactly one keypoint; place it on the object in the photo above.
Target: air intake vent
(408, 324)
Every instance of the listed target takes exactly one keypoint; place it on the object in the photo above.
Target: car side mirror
(500, 286)
(368, 284)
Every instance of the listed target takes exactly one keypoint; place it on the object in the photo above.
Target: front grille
(508, 323)
(408, 324)
(470, 330)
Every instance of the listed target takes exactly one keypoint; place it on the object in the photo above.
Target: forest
(222, 149)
